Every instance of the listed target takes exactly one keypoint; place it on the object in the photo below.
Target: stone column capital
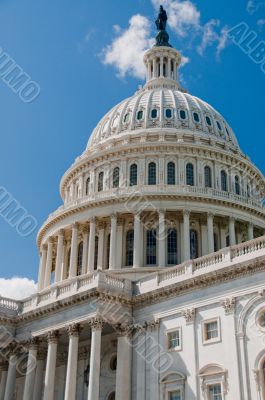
(124, 329)
(50, 240)
(92, 220)
(52, 337)
(114, 216)
(61, 232)
(33, 343)
(75, 225)
(186, 213)
(189, 315)
(44, 247)
(96, 324)
(229, 305)
(74, 330)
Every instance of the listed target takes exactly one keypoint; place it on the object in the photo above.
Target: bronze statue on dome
(162, 37)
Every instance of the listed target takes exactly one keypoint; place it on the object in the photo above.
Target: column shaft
(161, 66)
(91, 246)
(186, 235)
(154, 68)
(113, 240)
(137, 242)
(232, 231)
(30, 376)
(71, 374)
(3, 384)
(124, 366)
(101, 236)
(48, 269)
(38, 383)
(162, 240)
(85, 251)
(169, 68)
(210, 233)
(59, 257)
(94, 372)
(11, 378)
(73, 255)
(43, 260)
(250, 231)
(49, 381)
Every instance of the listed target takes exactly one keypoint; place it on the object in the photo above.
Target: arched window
(190, 174)
(171, 174)
(182, 114)
(100, 181)
(108, 251)
(168, 113)
(140, 115)
(152, 173)
(126, 118)
(194, 245)
(116, 177)
(112, 396)
(224, 181)
(96, 253)
(87, 185)
(154, 113)
(79, 258)
(133, 175)
(129, 248)
(151, 247)
(208, 121)
(196, 117)
(172, 247)
(208, 177)
(237, 185)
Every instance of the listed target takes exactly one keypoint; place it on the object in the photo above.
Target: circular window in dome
(140, 115)
(113, 363)
(126, 118)
(208, 121)
(261, 319)
(219, 125)
(111, 396)
(183, 114)
(196, 117)
(168, 113)
(154, 113)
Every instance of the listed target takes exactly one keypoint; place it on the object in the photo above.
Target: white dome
(176, 110)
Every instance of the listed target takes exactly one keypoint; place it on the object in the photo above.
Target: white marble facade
(151, 276)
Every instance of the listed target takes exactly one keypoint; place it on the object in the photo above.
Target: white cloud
(182, 15)
(254, 5)
(17, 288)
(211, 37)
(126, 50)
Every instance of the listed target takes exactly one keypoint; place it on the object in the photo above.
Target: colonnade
(54, 257)
(36, 369)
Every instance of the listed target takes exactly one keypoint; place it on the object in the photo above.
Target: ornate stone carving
(124, 329)
(52, 337)
(96, 324)
(229, 305)
(189, 315)
(74, 330)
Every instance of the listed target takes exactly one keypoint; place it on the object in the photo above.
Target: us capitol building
(152, 272)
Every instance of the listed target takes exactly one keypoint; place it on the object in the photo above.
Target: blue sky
(70, 49)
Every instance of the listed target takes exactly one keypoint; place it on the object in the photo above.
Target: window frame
(172, 113)
(169, 164)
(208, 185)
(116, 177)
(130, 175)
(170, 332)
(150, 180)
(223, 174)
(204, 324)
(193, 174)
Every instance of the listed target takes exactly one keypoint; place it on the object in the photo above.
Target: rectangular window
(174, 340)
(215, 392)
(176, 395)
(211, 330)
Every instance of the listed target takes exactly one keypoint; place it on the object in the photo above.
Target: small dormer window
(140, 115)
(196, 117)
(219, 125)
(208, 121)
(126, 118)
(154, 113)
(182, 114)
(168, 113)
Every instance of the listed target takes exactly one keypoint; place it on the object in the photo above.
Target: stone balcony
(136, 192)
(110, 282)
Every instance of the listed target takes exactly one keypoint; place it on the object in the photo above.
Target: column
(3, 371)
(149, 70)
(250, 231)
(50, 366)
(119, 241)
(85, 251)
(11, 377)
(71, 374)
(124, 367)
(161, 67)
(101, 237)
(59, 257)
(169, 68)
(31, 370)
(175, 70)
(43, 260)
(113, 240)
(162, 235)
(210, 233)
(154, 68)
(94, 371)
(232, 231)
(48, 269)
(223, 231)
(73, 256)
(137, 242)
(38, 383)
(186, 234)
(91, 246)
